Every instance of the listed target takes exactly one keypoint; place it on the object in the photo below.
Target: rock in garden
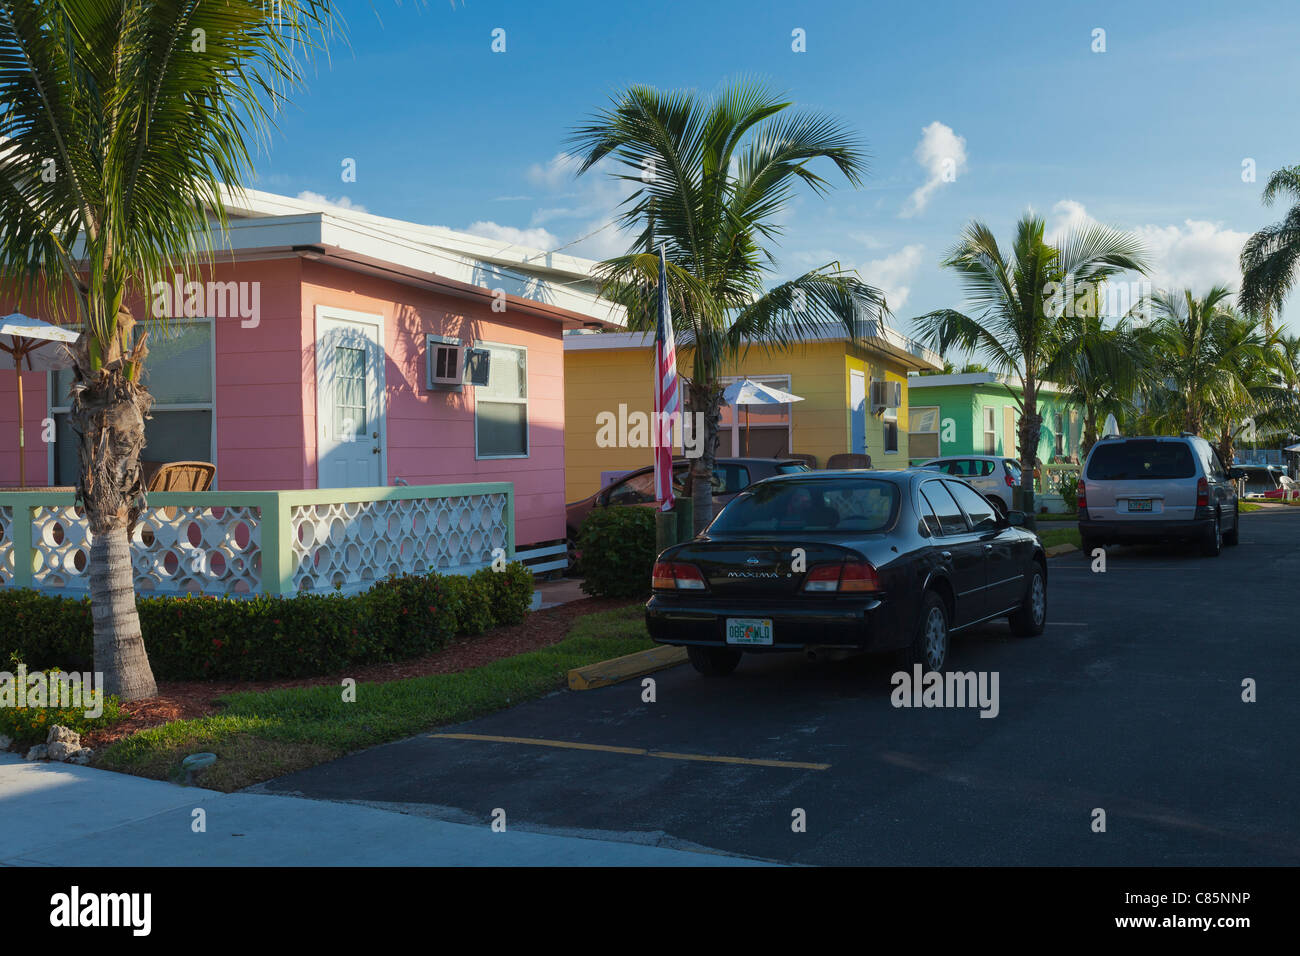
(82, 756)
(37, 752)
(61, 751)
(5, 742)
(63, 735)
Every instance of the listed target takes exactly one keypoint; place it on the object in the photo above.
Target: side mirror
(1015, 519)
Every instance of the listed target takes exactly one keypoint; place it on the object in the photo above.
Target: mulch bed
(184, 700)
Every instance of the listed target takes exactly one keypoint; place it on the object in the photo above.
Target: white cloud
(342, 202)
(893, 274)
(942, 154)
(1195, 255)
(558, 171)
(528, 238)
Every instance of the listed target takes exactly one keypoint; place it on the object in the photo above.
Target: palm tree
(1019, 322)
(119, 122)
(709, 178)
(1101, 367)
(1268, 258)
(1215, 365)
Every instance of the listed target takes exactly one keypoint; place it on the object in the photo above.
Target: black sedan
(839, 562)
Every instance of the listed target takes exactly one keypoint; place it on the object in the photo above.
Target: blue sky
(1150, 135)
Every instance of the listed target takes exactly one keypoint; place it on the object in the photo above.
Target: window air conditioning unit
(449, 364)
(886, 395)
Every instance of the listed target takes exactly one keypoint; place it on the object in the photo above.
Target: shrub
(29, 725)
(510, 592)
(1070, 490)
(618, 551)
(275, 637)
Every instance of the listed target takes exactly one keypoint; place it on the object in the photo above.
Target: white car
(991, 475)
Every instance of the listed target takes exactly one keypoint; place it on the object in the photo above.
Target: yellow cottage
(854, 400)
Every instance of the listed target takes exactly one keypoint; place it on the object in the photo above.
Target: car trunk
(761, 569)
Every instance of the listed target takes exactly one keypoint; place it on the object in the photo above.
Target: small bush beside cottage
(618, 551)
(262, 638)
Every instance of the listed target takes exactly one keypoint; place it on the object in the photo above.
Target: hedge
(618, 551)
(263, 637)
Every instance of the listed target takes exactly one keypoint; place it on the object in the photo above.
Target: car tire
(1031, 617)
(1212, 543)
(1233, 537)
(929, 646)
(713, 661)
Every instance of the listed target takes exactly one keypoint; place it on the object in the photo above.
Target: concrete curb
(1063, 548)
(625, 668)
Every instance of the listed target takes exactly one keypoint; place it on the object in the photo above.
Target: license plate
(1139, 505)
(749, 630)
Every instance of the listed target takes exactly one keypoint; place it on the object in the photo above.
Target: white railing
(264, 542)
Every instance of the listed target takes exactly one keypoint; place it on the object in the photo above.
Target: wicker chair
(848, 460)
(182, 476)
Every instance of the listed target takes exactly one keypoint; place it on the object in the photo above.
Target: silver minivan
(1135, 490)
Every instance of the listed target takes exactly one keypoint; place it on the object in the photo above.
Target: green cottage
(978, 413)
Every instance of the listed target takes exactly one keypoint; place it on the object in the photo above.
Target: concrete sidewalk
(59, 815)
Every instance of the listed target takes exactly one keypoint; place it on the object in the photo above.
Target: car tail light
(676, 575)
(1202, 494)
(1011, 482)
(842, 578)
(1081, 492)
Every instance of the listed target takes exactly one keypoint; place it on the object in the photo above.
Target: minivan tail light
(676, 575)
(1081, 492)
(851, 576)
(1202, 494)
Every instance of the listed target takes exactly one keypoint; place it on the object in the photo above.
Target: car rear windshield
(859, 505)
(792, 467)
(1013, 469)
(1141, 461)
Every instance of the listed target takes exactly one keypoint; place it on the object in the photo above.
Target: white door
(857, 412)
(350, 412)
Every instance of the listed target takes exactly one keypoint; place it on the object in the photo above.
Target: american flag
(668, 398)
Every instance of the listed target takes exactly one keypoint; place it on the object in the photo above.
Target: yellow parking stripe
(752, 761)
(635, 751)
(539, 742)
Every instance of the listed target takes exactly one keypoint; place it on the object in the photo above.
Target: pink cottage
(328, 349)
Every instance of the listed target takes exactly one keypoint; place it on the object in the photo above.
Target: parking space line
(540, 742)
(636, 751)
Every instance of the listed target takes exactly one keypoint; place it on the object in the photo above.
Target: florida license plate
(1141, 504)
(749, 630)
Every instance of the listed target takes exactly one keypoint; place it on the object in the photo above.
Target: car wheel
(1213, 542)
(1232, 537)
(929, 646)
(713, 661)
(1031, 617)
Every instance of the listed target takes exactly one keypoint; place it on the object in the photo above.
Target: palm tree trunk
(1089, 434)
(706, 398)
(1227, 446)
(1030, 425)
(108, 414)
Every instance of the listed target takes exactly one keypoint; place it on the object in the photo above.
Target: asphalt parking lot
(1131, 703)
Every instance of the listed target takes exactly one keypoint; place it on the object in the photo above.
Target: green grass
(1246, 507)
(1053, 536)
(265, 734)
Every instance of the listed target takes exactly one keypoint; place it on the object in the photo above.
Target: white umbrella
(746, 392)
(40, 346)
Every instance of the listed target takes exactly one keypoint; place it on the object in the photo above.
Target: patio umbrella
(40, 346)
(746, 392)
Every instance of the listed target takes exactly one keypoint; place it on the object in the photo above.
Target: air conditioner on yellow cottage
(886, 395)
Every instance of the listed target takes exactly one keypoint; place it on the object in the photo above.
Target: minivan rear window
(1141, 461)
